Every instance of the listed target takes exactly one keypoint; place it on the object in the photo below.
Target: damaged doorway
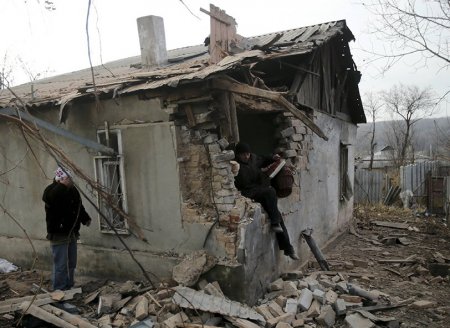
(258, 130)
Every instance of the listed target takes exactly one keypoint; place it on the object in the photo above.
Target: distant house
(151, 141)
(382, 159)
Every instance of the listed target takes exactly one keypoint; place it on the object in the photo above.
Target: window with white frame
(109, 173)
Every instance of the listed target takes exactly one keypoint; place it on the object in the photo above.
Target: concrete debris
(188, 271)
(327, 316)
(356, 320)
(305, 299)
(189, 298)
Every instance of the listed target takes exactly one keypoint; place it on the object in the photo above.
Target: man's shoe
(293, 256)
(277, 227)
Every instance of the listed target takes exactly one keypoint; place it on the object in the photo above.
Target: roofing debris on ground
(390, 270)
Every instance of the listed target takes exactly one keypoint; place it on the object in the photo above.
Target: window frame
(101, 176)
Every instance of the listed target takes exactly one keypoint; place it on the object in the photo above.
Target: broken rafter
(233, 86)
(11, 112)
(299, 68)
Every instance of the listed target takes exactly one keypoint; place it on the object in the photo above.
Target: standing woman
(64, 213)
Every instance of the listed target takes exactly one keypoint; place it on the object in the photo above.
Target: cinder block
(319, 296)
(339, 307)
(291, 306)
(305, 299)
(327, 316)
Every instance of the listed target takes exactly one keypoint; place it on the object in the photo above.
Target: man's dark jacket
(250, 176)
(64, 210)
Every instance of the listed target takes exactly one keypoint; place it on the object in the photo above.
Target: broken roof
(189, 63)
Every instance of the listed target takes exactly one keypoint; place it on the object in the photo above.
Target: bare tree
(372, 107)
(409, 27)
(5, 72)
(407, 105)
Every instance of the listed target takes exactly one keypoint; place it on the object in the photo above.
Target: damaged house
(150, 140)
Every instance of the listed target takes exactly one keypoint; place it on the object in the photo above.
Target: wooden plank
(277, 97)
(241, 323)
(248, 104)
(70, 318)
(394, 225)
(350, 274)
(397, 261)
(194, 325)
(13, 304)
(37, 312)
(190, 115)
(233, 117)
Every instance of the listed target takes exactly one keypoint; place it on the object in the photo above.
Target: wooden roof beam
(277, 97)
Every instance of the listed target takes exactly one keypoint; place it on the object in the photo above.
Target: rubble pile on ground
(294, 300)
(391, 270)
(324, 299)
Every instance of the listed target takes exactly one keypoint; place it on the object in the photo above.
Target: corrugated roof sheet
(186, 63)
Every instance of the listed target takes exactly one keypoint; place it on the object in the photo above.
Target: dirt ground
(399, 262)
(426, 242)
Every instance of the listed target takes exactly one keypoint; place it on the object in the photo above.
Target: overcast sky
(52, 42)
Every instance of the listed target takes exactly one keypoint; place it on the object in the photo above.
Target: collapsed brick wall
(207, 183)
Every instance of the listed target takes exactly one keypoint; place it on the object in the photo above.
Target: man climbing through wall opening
(252, 180)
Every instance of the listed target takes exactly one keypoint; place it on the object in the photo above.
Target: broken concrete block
(327, 316)
(291, 306)
(341, 287)
(211, 289)
(339, 307)
(174, 320)
(356, 320)
(360, 263)
(275, 309)
(192, 299)
(423, 304)
(302, 284)
(165, 293)
(287, 318)
(104, 321)
(319, 296)
(281, 300)
(202, 284)
(298, 323)
(327, 283)
(290, 289)
(120, 321)
(265, 312)
(142, 309)
(351, 298)
(283, 325)
(313, 285)
(336, 279)
(105, 303)
(276, 285)
(314, 310)
(305, 299)
(331, 296)
(149, 323)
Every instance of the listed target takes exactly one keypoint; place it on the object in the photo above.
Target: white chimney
(152, 40)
